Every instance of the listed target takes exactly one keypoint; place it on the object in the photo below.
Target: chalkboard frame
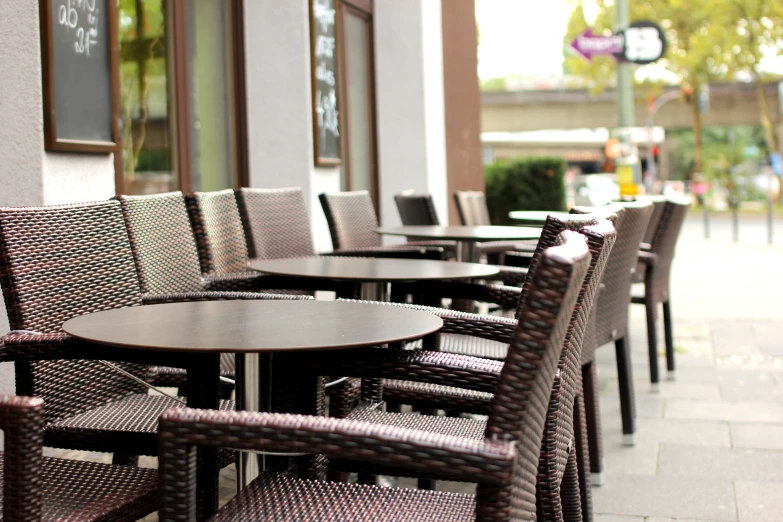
(320, 160)
(51, 140)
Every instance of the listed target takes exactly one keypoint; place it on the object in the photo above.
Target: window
(359, 170)
(182, 98)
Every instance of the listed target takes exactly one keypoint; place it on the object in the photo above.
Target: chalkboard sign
(80, 72)
(326, 94)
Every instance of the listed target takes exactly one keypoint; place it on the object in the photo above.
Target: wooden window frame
(363, 9)
(177, 11)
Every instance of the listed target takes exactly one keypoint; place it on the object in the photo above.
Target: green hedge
(530, 183)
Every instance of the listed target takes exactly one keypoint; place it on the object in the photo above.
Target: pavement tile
(741, 411)
(756, 436)
(597, 517)
(734, 338)
(769, 332)
(693, 462)
(640, 495)
(641, 459)
(673, 389)
(648, 431)
(659, 519)
(649, 406)
(759, 501)
(751, 390)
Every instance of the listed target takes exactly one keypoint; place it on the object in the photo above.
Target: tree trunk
(697, 141)
(770, 133)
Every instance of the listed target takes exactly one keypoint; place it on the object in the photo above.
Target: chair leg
(428, 484)
(593, 421)
(652, 344)
(582, 459)
(625, 385)
(669, 335)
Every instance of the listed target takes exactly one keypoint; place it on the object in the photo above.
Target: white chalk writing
(326, 108)
(86, 32)
(324, 14)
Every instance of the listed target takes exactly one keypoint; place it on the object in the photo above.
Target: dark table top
(463, 233)
(372, 269)
(252, 326)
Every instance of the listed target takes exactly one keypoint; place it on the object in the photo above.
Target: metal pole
(706, 218)
(254, 393)
(625, 102)
(735, 222)
(770, 205)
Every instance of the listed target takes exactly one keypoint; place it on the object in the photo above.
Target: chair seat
(126, 420)
(274, 496)
(454, 426)
(436, 396)
(468, 345)
(78, 490)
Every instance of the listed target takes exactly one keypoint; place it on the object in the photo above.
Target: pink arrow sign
(588, 45)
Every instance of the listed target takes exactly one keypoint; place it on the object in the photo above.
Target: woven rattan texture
(37, 488)
(472, 208)
(278, 498)
(416, 209)
(218, 230)
(611, 321)
(60, 262)
(656, 278)
(351, 218)
(517, 416)
(276, 223)
(163, 244)
(457, 427)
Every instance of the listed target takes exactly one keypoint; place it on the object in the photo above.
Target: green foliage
(530, 183)
(493, 84)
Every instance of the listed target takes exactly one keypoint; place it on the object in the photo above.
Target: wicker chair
(657, 262)
(502, 455)
(352, 223)
(63, 261)
(167, 263)
(609, 323)
(37, 488)
(473, 212)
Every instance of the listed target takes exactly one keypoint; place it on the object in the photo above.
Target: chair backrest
(60, 262)
(664, 242)
(472, 208)
(612, 307)
(21, 419)
(522, 396)
(276, 223)
(162, 242)
(351, 218)
(416, 209)
(218, 230)
(658, 204)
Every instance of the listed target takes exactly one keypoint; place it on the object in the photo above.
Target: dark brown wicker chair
(37, 488)
(502, 455)
(167, 263)
(419, 210)
(63, 261)
(657, 262)
(609, 323)
(352, 223)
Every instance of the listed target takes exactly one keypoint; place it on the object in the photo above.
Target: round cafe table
(536, 218)
(466, 237)
(372, 273)
(254, 330)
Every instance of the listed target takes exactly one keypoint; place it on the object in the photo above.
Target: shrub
(529, 183)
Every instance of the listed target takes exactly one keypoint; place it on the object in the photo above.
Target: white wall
(28, 174)
(279, 114)
(410, 103)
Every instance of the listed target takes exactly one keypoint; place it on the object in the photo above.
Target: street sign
(644, 42)
(641, 42)
(588, 45)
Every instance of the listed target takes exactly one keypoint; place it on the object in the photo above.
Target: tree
(758, 26)
(696, 33)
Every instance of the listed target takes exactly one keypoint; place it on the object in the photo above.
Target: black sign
(78, 51)
(326, 105)
(643, 42)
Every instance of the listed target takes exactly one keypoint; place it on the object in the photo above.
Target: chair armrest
(505, 296)
(32, 346)
(238, 282)
(446, 457)
(215, 296)
(510, 275)
(447, 369)
(648, 258)
(490, 327)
